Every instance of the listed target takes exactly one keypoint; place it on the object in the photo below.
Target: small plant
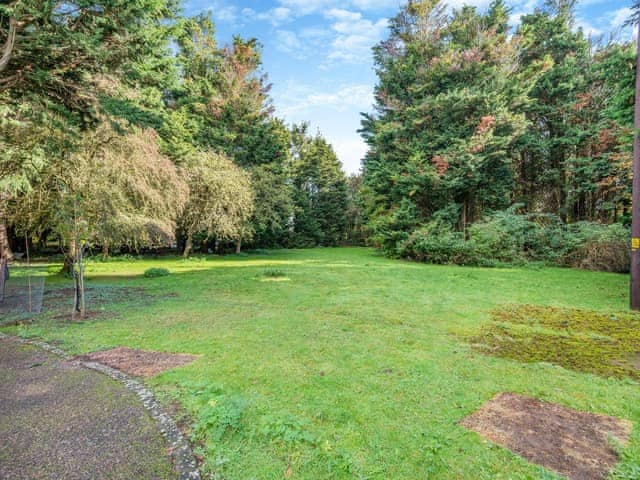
(221, 414)
(286, 428)
(273, 273)
(156, 272)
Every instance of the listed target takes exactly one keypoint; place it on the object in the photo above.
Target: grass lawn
(339, 363)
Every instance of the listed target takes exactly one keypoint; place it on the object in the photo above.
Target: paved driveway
(60, 421)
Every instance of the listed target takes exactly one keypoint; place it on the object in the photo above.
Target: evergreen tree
(320, 191)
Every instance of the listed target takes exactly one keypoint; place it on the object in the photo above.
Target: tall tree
(320, 191)
(449, 114)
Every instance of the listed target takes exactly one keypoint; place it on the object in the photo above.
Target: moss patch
(582, 340)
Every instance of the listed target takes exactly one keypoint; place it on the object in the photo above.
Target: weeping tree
(220, 201)
(114, 189)
(51, 55)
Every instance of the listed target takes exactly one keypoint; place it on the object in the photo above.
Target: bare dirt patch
(139, 362)
(576, 444)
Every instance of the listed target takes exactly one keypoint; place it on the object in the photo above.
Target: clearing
(340, 363)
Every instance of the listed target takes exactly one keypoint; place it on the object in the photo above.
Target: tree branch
(7, 49)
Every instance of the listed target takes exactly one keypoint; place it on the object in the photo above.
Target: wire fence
(23, 294)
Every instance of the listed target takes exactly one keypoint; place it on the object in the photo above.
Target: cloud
(275, 16)
(222, 12)
(619, 17)
(350, 151)
(288, 42)
(296, 100)
(346, 96)
(354, 36)
(307, 7)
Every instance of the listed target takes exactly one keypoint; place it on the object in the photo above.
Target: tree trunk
(69, 260)
(188, 245)
(5, 248)
(238, 246)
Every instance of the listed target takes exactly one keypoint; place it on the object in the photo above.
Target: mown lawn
(339, 363)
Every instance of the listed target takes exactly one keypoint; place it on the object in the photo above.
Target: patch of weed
(221, 414)
(582, 340)
(156, 272)
(286, 428)
(272, 272)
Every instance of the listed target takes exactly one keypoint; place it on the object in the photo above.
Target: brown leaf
(288, 472)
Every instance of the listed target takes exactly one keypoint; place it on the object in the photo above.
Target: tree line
(124, 125)
(495, 143)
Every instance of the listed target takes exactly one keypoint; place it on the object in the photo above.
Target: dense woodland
(126, 126)
(495, 144)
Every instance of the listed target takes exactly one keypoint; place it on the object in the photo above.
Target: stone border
(180, 450)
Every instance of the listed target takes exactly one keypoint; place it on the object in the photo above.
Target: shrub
(436, 244)
(504, 236)
(156, 272)
(222, 414)
(273, 273)
(594, 246)
(508, 237)
(286, 428)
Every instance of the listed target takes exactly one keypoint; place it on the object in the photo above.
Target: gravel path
(61, 421)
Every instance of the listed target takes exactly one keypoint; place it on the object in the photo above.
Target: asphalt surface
(60, 421)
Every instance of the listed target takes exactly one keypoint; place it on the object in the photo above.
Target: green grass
(355, 367)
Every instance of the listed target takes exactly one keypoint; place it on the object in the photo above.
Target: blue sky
(317, 53)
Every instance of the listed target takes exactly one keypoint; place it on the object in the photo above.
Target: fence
(23, 293)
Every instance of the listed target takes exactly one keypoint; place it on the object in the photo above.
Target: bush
(156, 272)
(594, 246)
(510, 238)
(436, 244)
(504, 236)
(221, 415)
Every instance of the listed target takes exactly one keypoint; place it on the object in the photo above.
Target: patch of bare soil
(139, 362)
(572, 443)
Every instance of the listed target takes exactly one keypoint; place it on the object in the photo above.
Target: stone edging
(181, 455)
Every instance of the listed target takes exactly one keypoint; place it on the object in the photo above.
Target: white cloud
(275, 16)
(222, 12)
(620, 16)
(306, 7)
(346, 96)
(588, 29)
(287, 41)
(350, 152)
(295, 100)
(354, 36)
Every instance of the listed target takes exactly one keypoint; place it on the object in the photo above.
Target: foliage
(118, 189)
(320, 194)
(286, 428)
(273, 272)
(508, 237)
(222, 414)
(471, 120)
(274, 205)
(156, 272)
(220, 199)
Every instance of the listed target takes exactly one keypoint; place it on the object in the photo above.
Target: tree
(320, 191)
(112, 189)
(55, 49)
(51, 56)
(274, 206)
(449, 115)
(220, 200)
